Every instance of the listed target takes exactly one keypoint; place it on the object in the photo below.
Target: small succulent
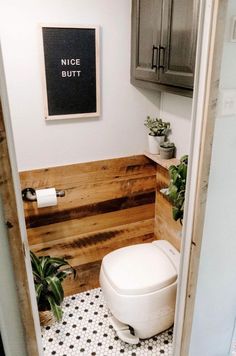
(157, 127)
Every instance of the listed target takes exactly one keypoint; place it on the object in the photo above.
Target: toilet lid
(139, 269)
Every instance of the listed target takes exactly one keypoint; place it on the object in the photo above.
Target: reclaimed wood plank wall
(166, 228)
(108, 204)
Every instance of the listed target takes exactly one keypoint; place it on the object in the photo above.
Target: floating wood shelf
(165, 163)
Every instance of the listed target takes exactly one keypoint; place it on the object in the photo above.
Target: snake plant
(176, 190)
(48, 278)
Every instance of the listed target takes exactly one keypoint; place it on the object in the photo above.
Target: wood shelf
(165, 163)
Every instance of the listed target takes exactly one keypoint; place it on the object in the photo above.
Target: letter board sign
(71, 72)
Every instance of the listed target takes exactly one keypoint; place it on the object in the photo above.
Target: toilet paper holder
(29, 194)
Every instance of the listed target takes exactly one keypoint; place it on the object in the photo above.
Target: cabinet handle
(154, 48)
(161, 50)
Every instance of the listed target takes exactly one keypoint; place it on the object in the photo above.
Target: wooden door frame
(211, 34)
(16, 232)
(209, 55)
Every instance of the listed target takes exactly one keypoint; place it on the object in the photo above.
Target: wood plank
(97, 171)
(87, 248)
(87, 277)
(165, 163)
(83, 194)
(162, 177)
(166, 228)
(72, 228)
(51, 215)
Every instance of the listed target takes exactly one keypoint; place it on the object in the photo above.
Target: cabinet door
(146, 31)
(179, 36)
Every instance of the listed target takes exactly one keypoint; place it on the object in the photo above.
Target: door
(146, 22)
(19, 321)
(178, 46)
(204, 113)
(2, 353)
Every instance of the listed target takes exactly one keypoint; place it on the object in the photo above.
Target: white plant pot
(154, 144)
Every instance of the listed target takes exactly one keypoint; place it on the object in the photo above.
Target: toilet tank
(170, 251)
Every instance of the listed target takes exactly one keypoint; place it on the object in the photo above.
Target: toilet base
(123, 331)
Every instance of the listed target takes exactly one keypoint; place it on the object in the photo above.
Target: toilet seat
(139, 269)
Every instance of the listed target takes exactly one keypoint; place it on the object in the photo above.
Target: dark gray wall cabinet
(164, 35)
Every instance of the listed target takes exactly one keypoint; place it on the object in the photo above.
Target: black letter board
(71, 69)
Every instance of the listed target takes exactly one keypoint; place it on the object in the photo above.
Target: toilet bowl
(139, 285)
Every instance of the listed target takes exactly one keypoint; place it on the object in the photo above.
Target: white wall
(119, 131)
(177, 110)
(215, 307)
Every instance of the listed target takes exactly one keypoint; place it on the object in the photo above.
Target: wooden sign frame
(70, 71)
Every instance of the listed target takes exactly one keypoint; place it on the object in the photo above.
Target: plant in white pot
(158, 130)
(167, 150)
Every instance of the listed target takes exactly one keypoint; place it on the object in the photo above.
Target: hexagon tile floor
(85, 330)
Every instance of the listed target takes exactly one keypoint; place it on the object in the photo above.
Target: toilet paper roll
(46, 197)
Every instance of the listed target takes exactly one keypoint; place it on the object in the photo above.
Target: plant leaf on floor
(56, 288)
(56, 309)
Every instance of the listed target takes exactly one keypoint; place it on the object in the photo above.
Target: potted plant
(167, 150)
(158, 130)
(176, 190)
(48, 278)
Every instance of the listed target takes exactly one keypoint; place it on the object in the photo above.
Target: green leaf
(172, 170)
(177, 214)
(56, 309)
(35, 262)
(61, 275)
(51, 271)
(54, 264)
(183, 171)
(44, 260)
(37, 277)
(184, 159)
(173, 193)
(56, 288)
(38, 290)
(176, 190)
(58, 261)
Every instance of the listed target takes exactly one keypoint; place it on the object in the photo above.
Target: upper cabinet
(164, 34)
(146, 35)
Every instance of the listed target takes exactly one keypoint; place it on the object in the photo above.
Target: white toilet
(139, 285)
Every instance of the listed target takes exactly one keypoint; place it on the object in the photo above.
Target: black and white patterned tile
(85, 330)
